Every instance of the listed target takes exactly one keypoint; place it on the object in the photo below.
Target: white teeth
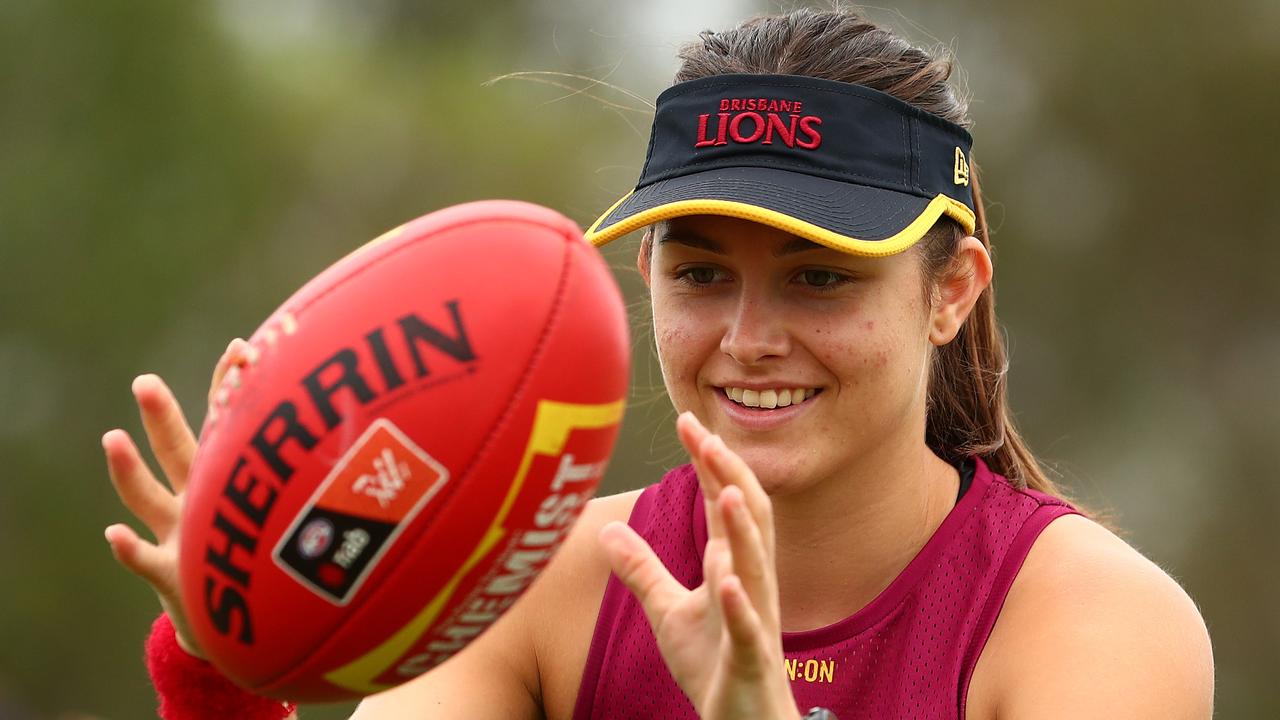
(770, 398)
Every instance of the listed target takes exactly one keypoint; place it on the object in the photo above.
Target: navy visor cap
(839, 164)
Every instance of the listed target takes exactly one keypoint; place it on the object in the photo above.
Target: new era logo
(962, 168)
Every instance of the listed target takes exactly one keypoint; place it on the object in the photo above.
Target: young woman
(861, 529)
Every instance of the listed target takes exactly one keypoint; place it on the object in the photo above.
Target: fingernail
(733, 498)
(611, 539)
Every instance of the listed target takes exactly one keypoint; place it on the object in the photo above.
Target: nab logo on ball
(356, 514)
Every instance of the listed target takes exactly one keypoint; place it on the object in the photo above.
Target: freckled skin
(745, 314)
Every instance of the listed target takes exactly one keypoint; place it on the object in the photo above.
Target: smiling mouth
(769, 399)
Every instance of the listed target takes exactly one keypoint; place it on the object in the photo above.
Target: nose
(756, 331)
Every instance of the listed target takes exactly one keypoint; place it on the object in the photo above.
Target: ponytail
(968, 410)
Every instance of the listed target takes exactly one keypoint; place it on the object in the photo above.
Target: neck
(844, 539)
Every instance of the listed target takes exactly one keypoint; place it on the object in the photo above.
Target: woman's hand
(722, 640)
(157, 506)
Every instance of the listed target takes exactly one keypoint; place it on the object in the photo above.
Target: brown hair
(968, 412)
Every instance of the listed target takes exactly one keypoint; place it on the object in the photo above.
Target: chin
(778, 473)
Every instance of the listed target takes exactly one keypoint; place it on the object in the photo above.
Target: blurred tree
(169, 174)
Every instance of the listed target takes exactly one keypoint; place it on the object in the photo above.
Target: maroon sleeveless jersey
(907, 654)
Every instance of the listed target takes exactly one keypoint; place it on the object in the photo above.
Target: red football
(423, 424)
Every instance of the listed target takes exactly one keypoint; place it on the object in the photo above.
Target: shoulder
(580, 563)
(579, 570)
(581, 550)
(561, 608)
(1092, 628)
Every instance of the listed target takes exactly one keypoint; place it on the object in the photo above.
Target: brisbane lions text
(751, 120)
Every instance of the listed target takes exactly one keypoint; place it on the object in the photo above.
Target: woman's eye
(822, 278)
(702, 275)
(699, 275)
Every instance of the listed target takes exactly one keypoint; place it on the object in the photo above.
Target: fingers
(730, 469)
(719, 467)
(158, 566)
(138, 489)
(170, 436)
(751, 561)
(747, 633)
(717, 564)
(692, 435)
(745, 591)
(143, 559)
(238, 354)
(636, 565)
(220, 371)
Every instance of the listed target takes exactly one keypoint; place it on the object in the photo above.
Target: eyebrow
(796, 245)
(694, 240)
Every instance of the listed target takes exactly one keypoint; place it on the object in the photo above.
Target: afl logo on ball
(315, 538)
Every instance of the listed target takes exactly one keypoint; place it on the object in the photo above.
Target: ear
(959, 289)
(645, 257)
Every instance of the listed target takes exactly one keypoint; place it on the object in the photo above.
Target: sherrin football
(422, 425)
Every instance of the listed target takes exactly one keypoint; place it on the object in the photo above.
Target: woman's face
(804, 359)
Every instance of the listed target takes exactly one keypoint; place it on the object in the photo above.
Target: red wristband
(189, 688)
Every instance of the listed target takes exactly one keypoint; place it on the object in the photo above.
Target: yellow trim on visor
(903, 239)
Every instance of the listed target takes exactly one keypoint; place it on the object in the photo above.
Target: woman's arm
(493, 678)
(1091, 628)
(529, 663)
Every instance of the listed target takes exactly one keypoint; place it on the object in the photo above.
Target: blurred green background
(170, 171)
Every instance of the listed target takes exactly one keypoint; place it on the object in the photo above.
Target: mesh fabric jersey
(909, 653)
